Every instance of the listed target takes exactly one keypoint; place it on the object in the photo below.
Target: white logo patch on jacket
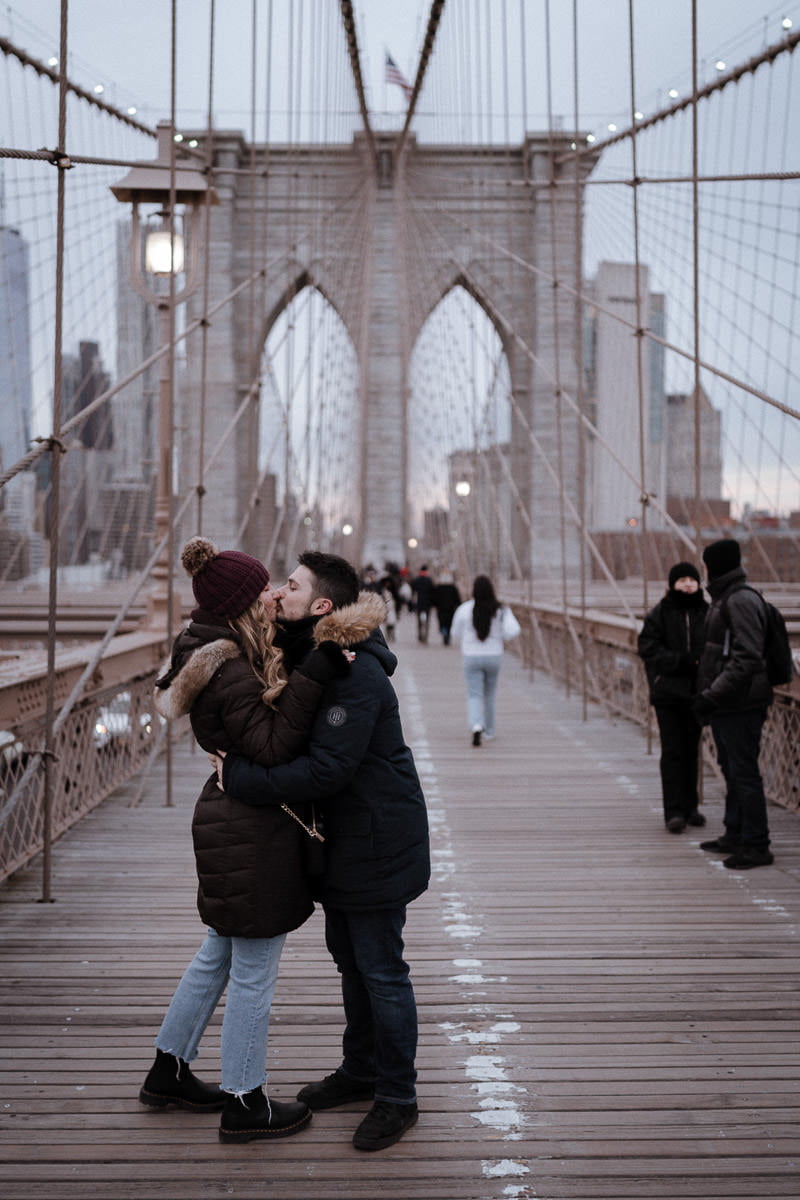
(336, 716)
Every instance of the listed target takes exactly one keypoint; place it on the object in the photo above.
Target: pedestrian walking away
(483, 625)
(670, 645)
(734, 693)
(446, 599)
(360, 770)
(422, 588)
(226, 673)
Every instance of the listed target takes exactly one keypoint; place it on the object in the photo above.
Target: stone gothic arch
(324, 218)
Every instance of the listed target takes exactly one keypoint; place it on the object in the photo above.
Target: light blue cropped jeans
(249, 969)
(481, 672)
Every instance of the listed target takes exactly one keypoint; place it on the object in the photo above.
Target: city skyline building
(614, 404)
(15, 345)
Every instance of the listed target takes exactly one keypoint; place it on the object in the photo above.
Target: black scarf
(295, 639)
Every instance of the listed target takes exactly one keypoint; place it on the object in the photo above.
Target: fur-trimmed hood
(179, 686)
(352, 624)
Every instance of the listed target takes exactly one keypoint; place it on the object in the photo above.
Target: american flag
(395, 75)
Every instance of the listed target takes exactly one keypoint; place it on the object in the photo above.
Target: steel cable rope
(644, 466)
(554, 301)
(578, 318)
(199, 487)
(48, 757)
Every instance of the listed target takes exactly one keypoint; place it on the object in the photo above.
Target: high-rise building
(15, 347)
(681, 480)
(626, 403)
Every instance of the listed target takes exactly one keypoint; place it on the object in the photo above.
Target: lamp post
(164, 249)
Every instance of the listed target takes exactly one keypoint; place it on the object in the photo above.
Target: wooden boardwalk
(605, 1011)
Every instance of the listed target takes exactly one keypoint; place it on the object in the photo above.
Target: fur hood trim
(352, 624)
(197, 672)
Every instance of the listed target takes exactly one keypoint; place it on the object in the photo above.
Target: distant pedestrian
(446, 599)
(422, 587)
(483, 625)
(387, 594)
(734, 693)
(670, 645)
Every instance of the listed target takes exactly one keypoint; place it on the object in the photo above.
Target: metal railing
(109, 735)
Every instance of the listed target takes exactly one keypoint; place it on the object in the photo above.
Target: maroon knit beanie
(224, 584)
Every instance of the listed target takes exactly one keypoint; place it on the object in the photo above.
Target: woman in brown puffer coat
(227, 675)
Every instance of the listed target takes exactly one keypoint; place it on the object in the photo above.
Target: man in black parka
(733, 694)
(378, 859)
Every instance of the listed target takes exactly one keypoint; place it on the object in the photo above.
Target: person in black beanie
(670, 644)
(733, 695)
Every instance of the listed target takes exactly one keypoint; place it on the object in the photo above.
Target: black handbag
(314, 858)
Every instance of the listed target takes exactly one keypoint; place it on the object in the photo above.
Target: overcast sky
(125, 45)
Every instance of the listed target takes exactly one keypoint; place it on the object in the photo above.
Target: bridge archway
(384, 252)
(460, 418)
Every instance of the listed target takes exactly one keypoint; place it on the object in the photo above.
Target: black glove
(702, 708)
(324, 663)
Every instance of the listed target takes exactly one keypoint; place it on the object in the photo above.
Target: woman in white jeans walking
(483, 625)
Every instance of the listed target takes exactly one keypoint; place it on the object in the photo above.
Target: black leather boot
(253, 1115)
(169, 1081)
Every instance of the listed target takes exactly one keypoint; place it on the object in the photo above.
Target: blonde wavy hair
(266, 660)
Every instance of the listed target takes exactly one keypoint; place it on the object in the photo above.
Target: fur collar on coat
(352, 624)
(346, 626)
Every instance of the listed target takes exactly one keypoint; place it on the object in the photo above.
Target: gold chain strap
(311, 829)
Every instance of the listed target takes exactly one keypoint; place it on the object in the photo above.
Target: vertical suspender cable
(55, 478)
(696, 286)
(251, 423)
(558, 394)
(201, 439)
(580, 433)
(639, 324)
(168, 426)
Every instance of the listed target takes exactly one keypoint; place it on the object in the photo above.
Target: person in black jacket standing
(376, 829)
(670, 645)
(734, 694)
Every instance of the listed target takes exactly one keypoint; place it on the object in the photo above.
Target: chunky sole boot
(253, 1116)
(169, 1081)
(335, 1089)
(384, 1125)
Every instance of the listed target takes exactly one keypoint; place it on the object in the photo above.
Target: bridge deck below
(605, 1011)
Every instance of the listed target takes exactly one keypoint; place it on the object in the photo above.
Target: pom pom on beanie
(224, 583)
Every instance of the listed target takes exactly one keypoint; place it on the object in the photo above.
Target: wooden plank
(604, 1010)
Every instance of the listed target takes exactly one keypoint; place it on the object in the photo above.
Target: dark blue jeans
(380, 1037)
(738, 741)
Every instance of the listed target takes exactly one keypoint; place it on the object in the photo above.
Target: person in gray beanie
(733, 695)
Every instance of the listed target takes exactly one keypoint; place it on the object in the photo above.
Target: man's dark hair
(334, 577)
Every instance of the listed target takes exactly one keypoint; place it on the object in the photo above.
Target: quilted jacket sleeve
(230, 715)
